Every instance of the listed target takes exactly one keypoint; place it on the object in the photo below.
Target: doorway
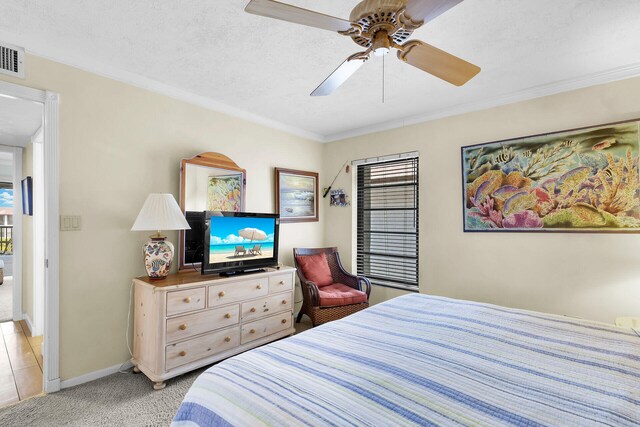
(41, 155)
(21, 360)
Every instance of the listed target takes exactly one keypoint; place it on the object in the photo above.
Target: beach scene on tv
(237, 238)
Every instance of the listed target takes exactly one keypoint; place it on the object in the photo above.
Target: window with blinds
(387, 222)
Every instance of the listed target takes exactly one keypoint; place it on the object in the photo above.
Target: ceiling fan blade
(437, 62)
(427, 10)
(297, 15)
(341, 74)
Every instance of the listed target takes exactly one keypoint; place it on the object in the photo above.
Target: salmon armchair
(329, 292)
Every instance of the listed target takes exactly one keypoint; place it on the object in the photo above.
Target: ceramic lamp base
(158, 256)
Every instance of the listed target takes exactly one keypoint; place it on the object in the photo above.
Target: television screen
(238, 241)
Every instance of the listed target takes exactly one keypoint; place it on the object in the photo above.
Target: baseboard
(94, 375)
(27, 319)
(52, 386)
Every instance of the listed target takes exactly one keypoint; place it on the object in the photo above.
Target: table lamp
(159, 212)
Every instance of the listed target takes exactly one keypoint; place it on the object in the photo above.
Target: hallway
(20, 363)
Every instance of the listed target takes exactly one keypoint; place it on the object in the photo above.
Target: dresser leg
(159, 385)
(136, 370)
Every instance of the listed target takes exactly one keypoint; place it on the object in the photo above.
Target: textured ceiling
(267, 68)
(19, 121)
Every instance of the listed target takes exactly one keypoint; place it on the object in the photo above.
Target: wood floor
(20, 363)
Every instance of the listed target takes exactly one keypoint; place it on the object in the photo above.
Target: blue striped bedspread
(423, 360)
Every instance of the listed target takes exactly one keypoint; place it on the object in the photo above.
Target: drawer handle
(284, 321)
(227, 339)
(253, 309)
(259, 287)
(221, 294)
(253, 331)
(227, 316)
(284, 301)
(182, 327)
(182, 353)
(281, 282)
(187, 300)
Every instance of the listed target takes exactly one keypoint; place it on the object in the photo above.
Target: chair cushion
(339, 294)
(316, 269)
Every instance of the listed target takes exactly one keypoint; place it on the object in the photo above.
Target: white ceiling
(212, 53)
(19, 121)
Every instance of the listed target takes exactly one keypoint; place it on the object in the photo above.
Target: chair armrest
(366, 283)
(311, 289)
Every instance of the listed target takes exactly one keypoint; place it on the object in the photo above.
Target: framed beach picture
(224, 193)
(576, 180)
(296, 195)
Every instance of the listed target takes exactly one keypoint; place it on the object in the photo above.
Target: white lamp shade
(160, 212)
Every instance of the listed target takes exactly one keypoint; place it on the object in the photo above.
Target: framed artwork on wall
(27, 196)
(224, 193)
(296, 195)
(582, 179)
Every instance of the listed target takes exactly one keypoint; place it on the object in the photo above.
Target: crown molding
(65, 57)
(56, 54)
(555, 88)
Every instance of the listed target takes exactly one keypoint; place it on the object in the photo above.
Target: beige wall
(27, 239)
(594, 276)
(117, 144)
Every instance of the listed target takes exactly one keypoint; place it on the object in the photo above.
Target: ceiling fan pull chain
(383, 79)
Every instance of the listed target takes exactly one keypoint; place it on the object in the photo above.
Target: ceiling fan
(378, 26)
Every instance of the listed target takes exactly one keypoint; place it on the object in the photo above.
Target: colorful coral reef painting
(578, 180)
(224, 193)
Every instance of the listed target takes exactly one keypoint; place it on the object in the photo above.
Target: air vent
(12, 60)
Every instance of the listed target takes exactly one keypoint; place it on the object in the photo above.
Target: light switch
(70, 223)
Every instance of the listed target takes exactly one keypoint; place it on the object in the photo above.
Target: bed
(424, 360)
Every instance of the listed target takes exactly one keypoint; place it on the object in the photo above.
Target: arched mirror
(208, 182)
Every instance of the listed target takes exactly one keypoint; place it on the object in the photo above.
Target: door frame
(50, 101)
(16, 176)
(37, 322)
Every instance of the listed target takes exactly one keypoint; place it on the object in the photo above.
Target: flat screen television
(236, 242)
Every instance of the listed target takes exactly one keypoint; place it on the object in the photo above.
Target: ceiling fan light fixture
(381, 51)
(381, 44)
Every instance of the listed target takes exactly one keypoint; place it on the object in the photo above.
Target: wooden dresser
(189, 320)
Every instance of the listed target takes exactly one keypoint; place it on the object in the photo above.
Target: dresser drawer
(267, 326)
(280, 282)
(198, 323)
(201, 347)
(184, 301)
(237, 291)
(265, 306)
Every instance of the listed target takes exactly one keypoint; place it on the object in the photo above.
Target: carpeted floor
(117, 400)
